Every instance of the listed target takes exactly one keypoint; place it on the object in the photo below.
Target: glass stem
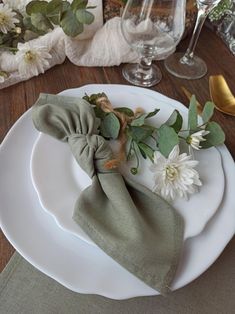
(144, 67)
(203, 11)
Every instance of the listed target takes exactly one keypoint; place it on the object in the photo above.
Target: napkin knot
(91, 151)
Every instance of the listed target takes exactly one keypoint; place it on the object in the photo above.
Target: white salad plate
(59, 180)
(71, 261)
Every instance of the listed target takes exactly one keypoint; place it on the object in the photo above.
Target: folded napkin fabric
(137, 228)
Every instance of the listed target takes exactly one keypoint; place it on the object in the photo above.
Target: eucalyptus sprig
(143, 138)
(43, 15)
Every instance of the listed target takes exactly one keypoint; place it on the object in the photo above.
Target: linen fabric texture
(134, 226)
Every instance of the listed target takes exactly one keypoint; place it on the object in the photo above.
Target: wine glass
(152, 28)
(187, 65)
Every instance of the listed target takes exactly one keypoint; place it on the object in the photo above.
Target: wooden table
(15, 100)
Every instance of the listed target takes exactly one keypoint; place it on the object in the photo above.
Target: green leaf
(92, 99)
(150, 127)
(208, 111)
(141, 119)
(215, 137)
(110, 126)
(91, 7)
(79, 4)
(142, 153)
(167, 139)
(146, 150)
(84, 16)
(192, 114)
(139, 134)
(153, 113)
(29, 26)
(54, 10)
(41, 22)
(65, 6)
(127, 111)
(99, 112)
(70, 24)
(175, 121)
(36, 7)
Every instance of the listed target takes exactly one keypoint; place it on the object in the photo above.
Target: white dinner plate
(59, 180)
(72, 262)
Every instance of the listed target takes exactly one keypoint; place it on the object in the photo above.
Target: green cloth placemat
(25, 290)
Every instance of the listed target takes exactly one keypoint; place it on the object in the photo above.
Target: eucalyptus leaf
(92, 99)
(146, 150)
(127, 111)
(54, 10)
(142, 152)
(110, 126)
(29, 26)
(99, 112)
(84, 17)
(167, 139)
(208, 111)
(153, 113)
(70, 25)
(65, 6)
(192, 114)
(141, 119)
(91, 7)
(150, 127)
(41, 22)
(175, 121)
(79, 4)
(215, 137)
(36, 7)
(139, 134)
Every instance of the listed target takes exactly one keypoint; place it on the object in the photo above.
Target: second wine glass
(153, 28)
(187, 65)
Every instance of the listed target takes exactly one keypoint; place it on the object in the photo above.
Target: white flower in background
(32, 59)
(195, 139)
(174, 176)
(7, 18)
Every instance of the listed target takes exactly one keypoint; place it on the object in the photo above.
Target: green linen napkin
(134, 226)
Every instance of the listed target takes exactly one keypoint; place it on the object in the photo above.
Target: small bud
(134, 171)
(3, 74)
(18, 30)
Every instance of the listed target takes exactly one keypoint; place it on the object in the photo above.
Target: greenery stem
(129, 150)
(8, 48)
(136, 156)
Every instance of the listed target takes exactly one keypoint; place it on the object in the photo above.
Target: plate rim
(224, 152)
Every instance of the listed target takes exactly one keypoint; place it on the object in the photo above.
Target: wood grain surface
(15, 100)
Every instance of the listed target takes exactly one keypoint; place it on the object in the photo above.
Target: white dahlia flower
(32, 59)
(174, 176)
(7, 19)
